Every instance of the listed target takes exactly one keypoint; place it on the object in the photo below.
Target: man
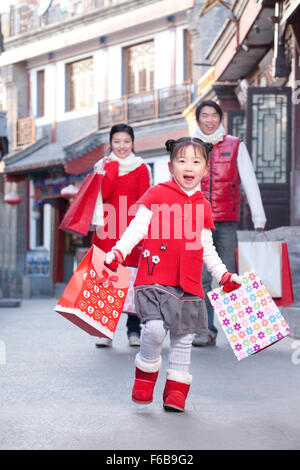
(229, 166)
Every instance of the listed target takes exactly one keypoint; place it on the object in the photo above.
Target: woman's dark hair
(210, 103)
(121, 128)
(173, 146)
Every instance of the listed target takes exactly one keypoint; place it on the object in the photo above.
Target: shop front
(51, 254)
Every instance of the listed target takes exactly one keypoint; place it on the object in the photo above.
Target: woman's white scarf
(214, 138)
(126, 165)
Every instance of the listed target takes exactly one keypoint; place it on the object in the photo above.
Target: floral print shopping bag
(249, 317)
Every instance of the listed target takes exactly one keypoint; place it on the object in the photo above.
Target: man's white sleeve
(213, 262)
(250, 185)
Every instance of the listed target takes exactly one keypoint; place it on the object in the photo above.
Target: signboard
(24, 132)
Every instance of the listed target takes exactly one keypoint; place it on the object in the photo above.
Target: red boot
(145, 379)
(175, 392)
(144, 383)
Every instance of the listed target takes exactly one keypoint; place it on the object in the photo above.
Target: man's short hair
(210, 103)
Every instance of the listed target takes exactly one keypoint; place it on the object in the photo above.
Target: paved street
(60, 392)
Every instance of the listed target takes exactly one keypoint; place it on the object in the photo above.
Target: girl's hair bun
(169, 144)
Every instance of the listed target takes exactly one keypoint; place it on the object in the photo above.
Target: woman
(126, 178)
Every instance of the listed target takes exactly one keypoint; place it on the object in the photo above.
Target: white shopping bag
(265, 259)
(129, 306)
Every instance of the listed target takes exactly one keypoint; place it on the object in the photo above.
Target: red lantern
(69, 191)
(12, 199)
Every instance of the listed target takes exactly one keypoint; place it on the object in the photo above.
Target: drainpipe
(280, 66)
(276, 27)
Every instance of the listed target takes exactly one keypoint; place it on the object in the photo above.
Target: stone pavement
(57, 391)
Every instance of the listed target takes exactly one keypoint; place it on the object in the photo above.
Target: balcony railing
(25, 17)
(152, 105)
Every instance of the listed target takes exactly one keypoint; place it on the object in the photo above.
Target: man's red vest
(221, 185)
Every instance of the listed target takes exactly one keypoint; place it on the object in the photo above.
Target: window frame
(68, 87)
(127, 65)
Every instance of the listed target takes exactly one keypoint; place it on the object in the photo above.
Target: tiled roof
(43, 153)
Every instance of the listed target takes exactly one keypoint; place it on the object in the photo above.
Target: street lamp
(68, 192)
(12, 198)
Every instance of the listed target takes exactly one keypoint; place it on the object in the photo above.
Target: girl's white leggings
(152, 339)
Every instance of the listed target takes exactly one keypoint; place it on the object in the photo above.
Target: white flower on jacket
(155, 259)
(146, 253)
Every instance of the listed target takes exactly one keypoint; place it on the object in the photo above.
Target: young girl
(126, 178)
(168, 292)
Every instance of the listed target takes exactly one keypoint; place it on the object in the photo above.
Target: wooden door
(269, 144)
(265, 127)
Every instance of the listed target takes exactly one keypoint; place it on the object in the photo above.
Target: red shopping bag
(287, 284)
(95, 295)
(78, 217)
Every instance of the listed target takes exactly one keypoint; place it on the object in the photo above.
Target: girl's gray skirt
(181, 312)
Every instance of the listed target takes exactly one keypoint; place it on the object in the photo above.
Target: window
(79, 84)
(236, 123)
(140, 68)
(40, 93)
(269, 134)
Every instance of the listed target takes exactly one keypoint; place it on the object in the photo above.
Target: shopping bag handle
(261, 231)
(107, 267)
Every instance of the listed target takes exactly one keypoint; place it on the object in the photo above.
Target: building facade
(255, 77)
(68, 72)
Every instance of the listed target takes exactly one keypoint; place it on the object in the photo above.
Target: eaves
(226, 33)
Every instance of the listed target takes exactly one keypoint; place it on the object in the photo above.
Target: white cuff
(110, 257)
(179, 376)
(236, 278)
(147, 366)
(98, 167)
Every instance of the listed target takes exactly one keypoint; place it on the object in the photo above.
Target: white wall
(49, 94)
(179, 55)
(161, 171)
(162, 72)
(114, 72)
(101, 82)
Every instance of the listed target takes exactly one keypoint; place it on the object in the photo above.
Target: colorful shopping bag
(78, 217)
(249, 317)
(95, 296)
